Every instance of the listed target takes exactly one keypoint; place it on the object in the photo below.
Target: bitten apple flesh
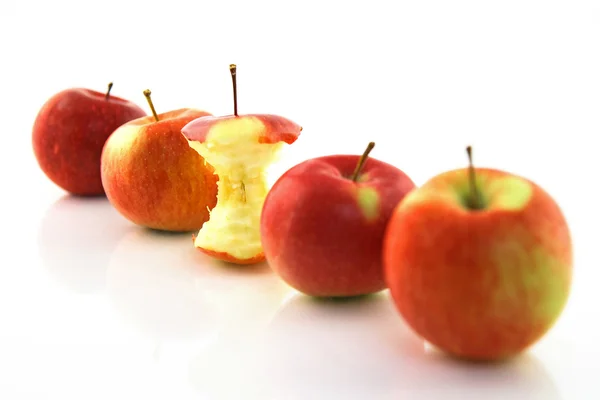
(479, 284)
(240, 148)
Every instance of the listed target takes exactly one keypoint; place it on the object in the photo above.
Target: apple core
(240, 148)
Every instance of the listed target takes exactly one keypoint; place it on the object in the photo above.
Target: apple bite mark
(240, 148)
(233, 224)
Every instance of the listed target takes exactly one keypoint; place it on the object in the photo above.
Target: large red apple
(153, 177)
(241, 148)
(69, 133)
(323, 223)
(478, 262)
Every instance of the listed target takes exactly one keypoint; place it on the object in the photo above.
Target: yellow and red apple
(153, 177)
(240, 148)
(323, 223)
(479, 262)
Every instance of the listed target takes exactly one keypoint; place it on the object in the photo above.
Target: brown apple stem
(147, 93)
(362, 161)
(233, 70)
(110, 85)
(475, 200)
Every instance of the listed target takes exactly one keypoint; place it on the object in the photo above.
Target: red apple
(478, 262)
(153, 177)
(70, 131)
(241, 148)
(323, 223)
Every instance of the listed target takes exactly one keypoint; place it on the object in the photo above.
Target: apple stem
(475, 200)
(148, 93)
(233, 70)
(110, 85)
(362, 161)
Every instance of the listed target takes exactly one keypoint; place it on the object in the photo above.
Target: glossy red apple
(323, 223)
(69, 133)
(153, 177)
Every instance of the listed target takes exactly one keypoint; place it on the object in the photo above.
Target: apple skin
(322, 232)
(153, 177)
(480, 285)
(69, 133)
(263, 128)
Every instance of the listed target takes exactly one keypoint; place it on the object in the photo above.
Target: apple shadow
(75, 239)
(260, 268)
(437, 375)
(247, 301)
(361, 348)
(153, 283)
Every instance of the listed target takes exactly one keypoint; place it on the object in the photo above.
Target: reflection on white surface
(152, 283)
(361, 349)
(321, 349)
(173, 294)
(219, 331)
(75, 240)
(248, 298)
(435, 374)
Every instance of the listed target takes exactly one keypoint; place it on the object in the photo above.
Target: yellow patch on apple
(368, 200)
(510, 193)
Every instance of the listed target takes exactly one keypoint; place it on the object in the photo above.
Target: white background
(92, 307)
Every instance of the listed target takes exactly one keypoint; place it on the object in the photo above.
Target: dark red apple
(69, 133)
(323, 223)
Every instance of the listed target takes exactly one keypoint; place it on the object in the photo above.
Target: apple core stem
(475, 197)
(243, 186)
(233, 70)
(148, 93)
(362, 161)
(110, 85)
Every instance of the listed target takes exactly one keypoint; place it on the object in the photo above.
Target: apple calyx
(148, 93)
(107, 95)
(474, 200)
(233, 70)
(362, 161)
